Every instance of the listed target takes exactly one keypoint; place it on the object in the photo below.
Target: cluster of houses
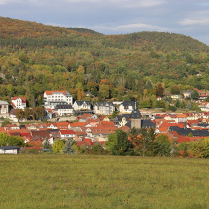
(90, 129)
(94, 125)
(60, 103)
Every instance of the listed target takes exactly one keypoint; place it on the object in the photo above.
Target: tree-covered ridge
(16, 29)
(160, 41)
(85, 30)
(107, 66)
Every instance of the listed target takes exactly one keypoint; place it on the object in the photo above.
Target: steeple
(136, 118)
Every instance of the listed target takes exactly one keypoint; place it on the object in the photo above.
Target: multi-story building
(18, 102)
(63, 110)
(4, 109)
(104, 108)
(53, 98)
(127, 106)
(82, 105)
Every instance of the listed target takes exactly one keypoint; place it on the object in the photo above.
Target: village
(87, 125)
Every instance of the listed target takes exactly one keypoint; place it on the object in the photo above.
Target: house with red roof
(85, 117)
(18, 102)
(63, 125)
(79, 135)
(204, 106)
(67, 134)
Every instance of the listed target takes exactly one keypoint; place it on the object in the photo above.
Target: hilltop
(35, 57)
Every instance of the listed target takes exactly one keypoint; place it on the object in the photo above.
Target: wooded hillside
(35, 57)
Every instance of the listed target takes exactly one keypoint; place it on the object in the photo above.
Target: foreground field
(64, 181)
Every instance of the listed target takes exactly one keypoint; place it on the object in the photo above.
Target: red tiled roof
(78, 124)
(63, 132)
(124, 128)
(81, 133)
(49, 110)
(23, 99)
(50, 92)
(163, 129)
(164, 124)
(85, 115)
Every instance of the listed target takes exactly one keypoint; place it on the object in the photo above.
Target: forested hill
(85, 30)
(35, 57)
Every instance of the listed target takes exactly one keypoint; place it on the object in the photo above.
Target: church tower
(136, 119)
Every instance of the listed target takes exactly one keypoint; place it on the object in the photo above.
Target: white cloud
(134, 27)
(201, 21)
(197, 18)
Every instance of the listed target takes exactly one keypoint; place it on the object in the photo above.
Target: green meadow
(85, 181)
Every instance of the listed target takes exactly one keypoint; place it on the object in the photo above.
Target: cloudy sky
(188, 17)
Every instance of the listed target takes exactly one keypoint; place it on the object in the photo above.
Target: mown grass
(82, 181)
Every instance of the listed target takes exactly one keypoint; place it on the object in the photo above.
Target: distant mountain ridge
(13, 29)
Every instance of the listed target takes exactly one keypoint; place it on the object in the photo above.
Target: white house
(53, 98)
(82, 105)
(63, 110)
(9, 150)
(104, 108)
(67, 134)
(127, 106)
(18, 102)
(204, 106)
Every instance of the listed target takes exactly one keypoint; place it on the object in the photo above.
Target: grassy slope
(58, 181)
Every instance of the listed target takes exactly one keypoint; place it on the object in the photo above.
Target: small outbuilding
(9, 150)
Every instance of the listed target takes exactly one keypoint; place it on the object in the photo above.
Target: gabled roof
(124, 128)
(22, 98)
(62, 124)
(85, 115)
(81, 102)
(49, 110)
(128, 103)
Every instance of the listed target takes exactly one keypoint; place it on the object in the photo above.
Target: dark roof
(81, 102)
(147, 123)
(65, 106)
(185, 132)
(128, 103)
(128, 124)
(53, 130)
(158, 117)
(136, 114)
(9, 147)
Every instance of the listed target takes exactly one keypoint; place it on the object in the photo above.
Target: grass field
(83, 181)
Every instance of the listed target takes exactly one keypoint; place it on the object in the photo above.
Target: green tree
(194, 95)
(69, 147)
(97, 148)
(5, 122)
(159, 89)
(118, 143)
(19, 114)
(148, 145)
(164, 145)
(58, 146)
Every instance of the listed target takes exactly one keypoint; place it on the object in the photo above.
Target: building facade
(53, 98)
(18, 102)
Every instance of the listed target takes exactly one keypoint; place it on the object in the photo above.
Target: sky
(188, 17)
